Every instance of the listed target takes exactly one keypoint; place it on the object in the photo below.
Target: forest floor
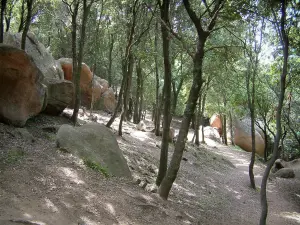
(40, 185)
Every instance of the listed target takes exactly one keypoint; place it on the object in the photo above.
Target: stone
(96, 143)
(212, 133)
(107, 102)
(285, 173)
(216, 121)
(243, 139)
(141, 126)
(60, 95)
(42, 58)
(22, 94)
(91, 88)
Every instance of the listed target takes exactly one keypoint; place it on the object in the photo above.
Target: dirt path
(47, 187)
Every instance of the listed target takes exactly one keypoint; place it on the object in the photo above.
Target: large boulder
(212, 133)
(42, 58)
(96, 143)
(60, 95)
(243, 139)
(59, 89)
(107, 102)
(90, 89)
(22, 94)
(216, 121)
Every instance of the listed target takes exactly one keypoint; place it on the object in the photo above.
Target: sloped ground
(41, 185)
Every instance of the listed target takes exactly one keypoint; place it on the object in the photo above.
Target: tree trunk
(170, 177)
(3, 6)
(21, 25)
(171, 174)
(27, 24)
(75, 61)
(141, 105)
(202, 114)
(8, 15)
(119, 104)
(157, 94)
(136, 118)
(285, 45)
(111, 47)
(86, 10)
(129, 69)
(164, 13)
(231, 128)
(224, 129)
(198, 119)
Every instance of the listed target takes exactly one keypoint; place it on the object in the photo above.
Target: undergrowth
(95, 166)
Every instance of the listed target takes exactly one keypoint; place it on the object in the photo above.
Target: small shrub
(96, 166)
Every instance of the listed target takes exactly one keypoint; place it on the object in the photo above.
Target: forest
(176, 60)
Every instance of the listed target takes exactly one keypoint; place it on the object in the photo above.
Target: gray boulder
(285, 173)
(42, 58)
(212, 133)
(60, 95)
(96, 143)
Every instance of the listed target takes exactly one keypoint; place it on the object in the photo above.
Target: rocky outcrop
(60, 95)
(59, 89)
(212, 133)
(96, 143)
(285, 173)
(107, 102)
(22, 94)
(243, 139)
(42, 58)
(216, 121)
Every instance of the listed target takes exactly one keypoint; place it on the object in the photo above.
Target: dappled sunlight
(71, 174)
(88, 221)
(27, 215)
(295, 216)
(50, 205)
(188, 192)
(110, 208)
(89, 196)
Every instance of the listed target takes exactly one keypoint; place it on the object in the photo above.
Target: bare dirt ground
(41, 185)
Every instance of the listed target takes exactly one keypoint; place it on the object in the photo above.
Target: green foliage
(96, 166)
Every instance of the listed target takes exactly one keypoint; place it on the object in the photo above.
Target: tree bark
(111, 47)
(3, 6)
(21, 25)
(136, 117)
(163, 163)
(171, 174)
(285, 45)
(27, 24)
(231, 128)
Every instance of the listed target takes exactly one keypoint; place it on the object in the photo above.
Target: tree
(3, 7)
(163, 162)
(202, 36)
(280, 27)
(78, 56)
(29, 4)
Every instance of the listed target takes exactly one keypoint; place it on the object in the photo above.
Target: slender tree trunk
(224, 129)
(8, 14)
(157, 94)
(141, 105)
(3, 6)
(198, 119)
(285, 45)
(164, 13)
(231, 128)
(86, 10)
(75, 60)
(110, 59)
(127, 76)
(27, 24)
(119, 104)
(136, 118)
(202, 114)
(171, 174)
(21, 25)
